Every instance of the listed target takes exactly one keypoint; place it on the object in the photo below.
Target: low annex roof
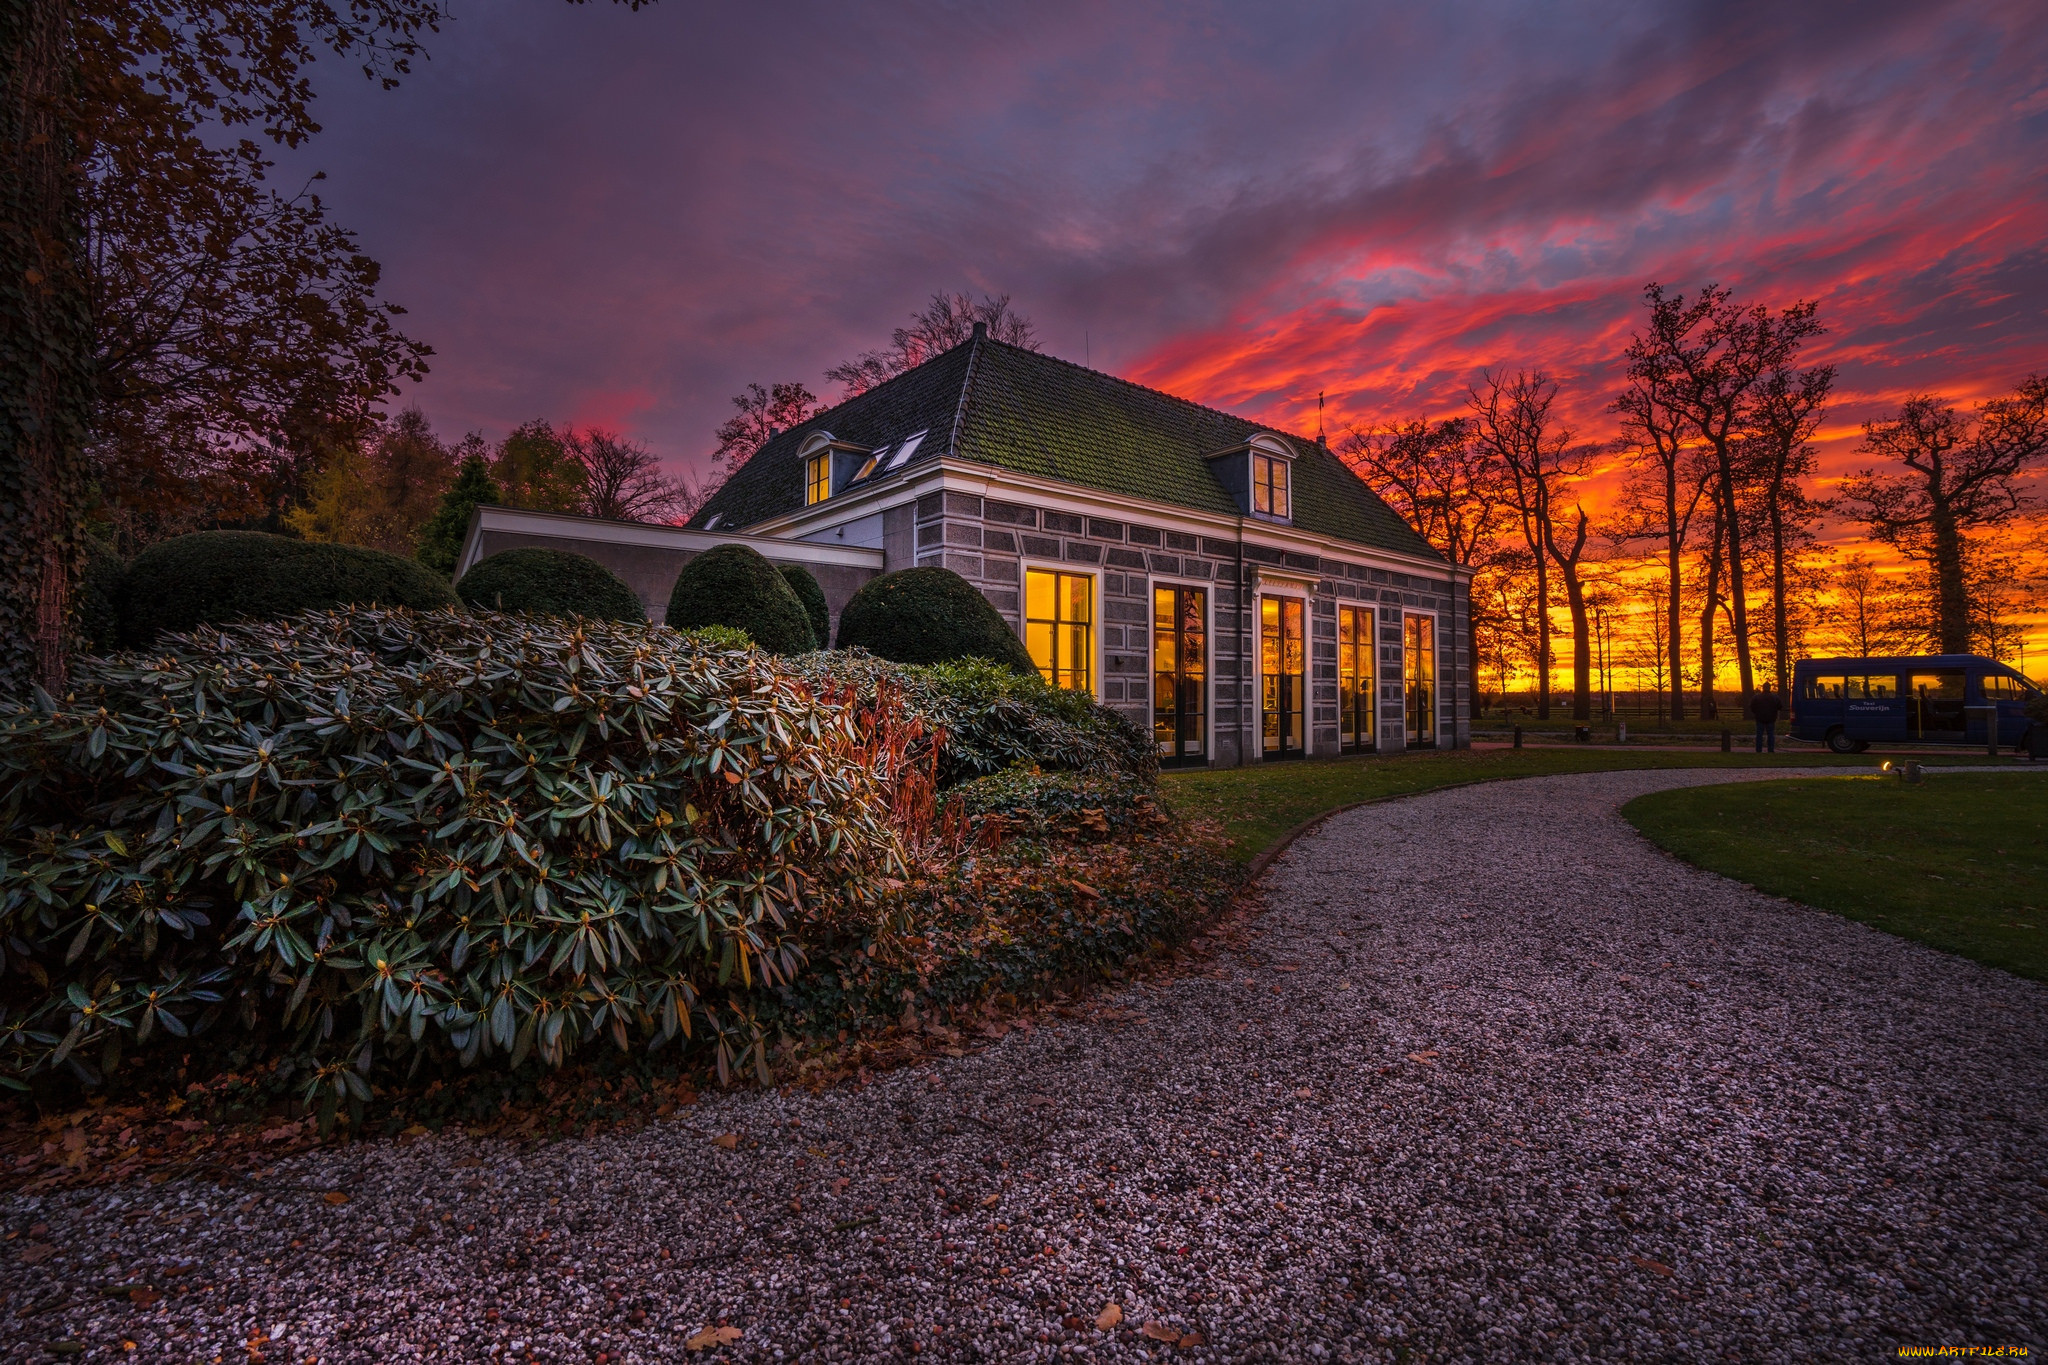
(995, 404)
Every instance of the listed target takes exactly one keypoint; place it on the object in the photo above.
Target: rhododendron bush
(364, 839)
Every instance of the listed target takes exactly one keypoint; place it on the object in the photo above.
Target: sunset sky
(601, 216)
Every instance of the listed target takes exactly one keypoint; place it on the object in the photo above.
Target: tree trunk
(1575, 599)
(1708, 710)
(46, 364)
(1542, 636)
(1674, 548)
(1948, 572)
(1738, 605)
(1781, 633)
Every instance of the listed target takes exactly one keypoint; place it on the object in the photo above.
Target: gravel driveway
(1494, 1079)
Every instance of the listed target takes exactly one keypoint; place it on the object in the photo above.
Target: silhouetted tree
(623, 480)
(1960, 475)
(762, 413)
(1708, 360)
(945, 322)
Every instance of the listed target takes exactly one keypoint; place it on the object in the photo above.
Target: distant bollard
(1727, 740)
(1582, 734)
(1518, 736)
(1621, 733)
(1910, 771)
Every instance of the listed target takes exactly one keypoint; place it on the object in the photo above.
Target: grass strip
(1958, 862)
(1259, 803)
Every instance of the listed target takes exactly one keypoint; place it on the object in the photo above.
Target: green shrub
(929, 616)
(993, 718)
(1077, 807)
(211, 577)
(716, 637)
(551, 582)
(365, 839)
(816, 609)
(732, 585)
(98, 600)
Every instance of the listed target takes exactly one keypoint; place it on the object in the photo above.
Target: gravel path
(1493, 1080)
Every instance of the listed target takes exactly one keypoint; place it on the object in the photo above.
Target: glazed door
(1934, 701)
(1180, 674)
(1355, 700)
(1419, 683)
(1280, 676)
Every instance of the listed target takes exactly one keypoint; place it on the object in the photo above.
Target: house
(1232, 587)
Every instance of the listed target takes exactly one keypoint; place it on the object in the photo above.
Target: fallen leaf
(1109, 1317)
(713, 1336)
(189, 1125)
(818, 1152)
(37, 1251)
(991, 1201)
(1087, 892)
(335, 1197)
(417, 1130)
(1304, 1094)
(283, 1133)
(1429, 1056)
(1159, 1331)
(1190, 1341)
(1648, 1264)
(142, 1296)
(727, 1140)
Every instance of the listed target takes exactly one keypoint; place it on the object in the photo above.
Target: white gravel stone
(1495, 1080)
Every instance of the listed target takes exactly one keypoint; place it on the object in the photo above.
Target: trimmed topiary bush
(353, 842)
(805, 586)
(98, 600)
(212, 577)
(929, 616)
(733, 585)
(551, 582)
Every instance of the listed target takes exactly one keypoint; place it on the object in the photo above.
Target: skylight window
(902, 457)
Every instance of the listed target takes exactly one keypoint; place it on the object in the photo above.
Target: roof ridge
(1147, 388)
(966, 391)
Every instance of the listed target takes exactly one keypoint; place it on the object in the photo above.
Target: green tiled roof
(1038, 415)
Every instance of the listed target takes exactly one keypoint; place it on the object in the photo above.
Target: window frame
(1368, 649)
(1277, 485)
(1206, 739)
(1301, 711)
(817, 476)
(1090, 638)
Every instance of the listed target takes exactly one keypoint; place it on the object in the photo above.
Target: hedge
(816, 610)
(98, 600)
(211, 577)
(354, 841)
(733, 585)
(929, 616)
(550, 582)
(992, 718)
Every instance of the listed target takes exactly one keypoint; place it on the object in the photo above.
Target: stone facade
(991, 543)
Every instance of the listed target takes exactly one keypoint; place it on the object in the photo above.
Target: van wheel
(1839, 742)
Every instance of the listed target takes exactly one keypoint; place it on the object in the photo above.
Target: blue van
(1849, 704)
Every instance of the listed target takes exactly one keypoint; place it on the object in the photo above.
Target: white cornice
(561, 526)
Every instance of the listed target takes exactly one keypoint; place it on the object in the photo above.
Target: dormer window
(818, 477)
(1269, 485)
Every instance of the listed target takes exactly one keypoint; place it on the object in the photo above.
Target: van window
(2000, 687)
(1825, 688)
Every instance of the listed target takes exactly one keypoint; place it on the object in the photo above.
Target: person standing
(1765, 706)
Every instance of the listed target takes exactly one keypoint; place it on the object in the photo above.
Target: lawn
(1959, 862)
(1259, 803)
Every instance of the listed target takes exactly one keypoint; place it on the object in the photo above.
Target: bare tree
(623, 480)
(1512, 424)
(762, 413)
(945, 322)
(1448, 487)
(1708, 359)
(1787, 412)
(1661, 500)
(1960, 476)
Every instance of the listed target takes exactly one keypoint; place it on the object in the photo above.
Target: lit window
(1059, 626)
(818, 478)
(867, 468)
(1269, 485)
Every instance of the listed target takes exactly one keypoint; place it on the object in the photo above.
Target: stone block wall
(990, 543)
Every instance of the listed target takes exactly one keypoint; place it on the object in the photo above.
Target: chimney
(981, 331)
(1322, 440)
